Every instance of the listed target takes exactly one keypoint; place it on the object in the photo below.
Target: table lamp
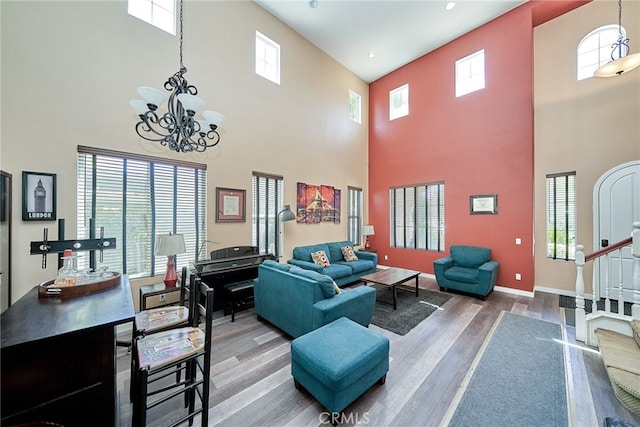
(367, 231)
(170, 245)
(284, 215)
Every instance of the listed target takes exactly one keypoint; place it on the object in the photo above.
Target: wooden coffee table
(392, 277)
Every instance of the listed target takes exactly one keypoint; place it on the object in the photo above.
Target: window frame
(603, 50)
(570, 217)
(134, 9)
(355, 107)
(262, 62)
(264, 212)
(399, 102)
(138, 186)
(405, 227)
(470, 81)
(355, 214)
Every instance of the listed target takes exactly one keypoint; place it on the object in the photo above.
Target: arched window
(595, 48)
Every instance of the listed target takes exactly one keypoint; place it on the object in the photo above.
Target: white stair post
(581, 327)
(635, 252)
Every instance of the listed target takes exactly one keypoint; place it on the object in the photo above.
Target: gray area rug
(519, 379)
(411, 309)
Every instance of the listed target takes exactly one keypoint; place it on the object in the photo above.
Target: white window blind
(354, 215)
(561, 216)
(417, 217)
(267, 201)
(135, 198)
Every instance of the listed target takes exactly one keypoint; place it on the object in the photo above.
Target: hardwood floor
(252, 383)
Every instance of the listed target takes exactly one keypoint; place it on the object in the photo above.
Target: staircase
(586, 324)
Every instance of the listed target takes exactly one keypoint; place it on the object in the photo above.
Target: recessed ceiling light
(371, 55)
(313, 4)
(450, 5)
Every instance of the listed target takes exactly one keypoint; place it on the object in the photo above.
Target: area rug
(411, 310)
(517, 379)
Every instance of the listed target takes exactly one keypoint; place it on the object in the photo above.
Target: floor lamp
(284, 215)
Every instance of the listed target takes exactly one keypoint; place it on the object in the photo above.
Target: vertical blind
(267, 201)
(354, 215)
(417, 217)
(135, 198)
(561, 216)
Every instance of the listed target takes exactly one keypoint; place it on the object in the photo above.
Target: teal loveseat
(299, 301)
(467, 269)
(340, 270)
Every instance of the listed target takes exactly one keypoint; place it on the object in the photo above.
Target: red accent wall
(480, 143)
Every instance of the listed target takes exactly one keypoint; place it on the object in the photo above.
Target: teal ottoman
(339, 361)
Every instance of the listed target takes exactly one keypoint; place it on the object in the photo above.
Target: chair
(158, 356)
(468, 269)
(160, 319)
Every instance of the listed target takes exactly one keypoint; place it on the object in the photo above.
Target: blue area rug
(519, 378)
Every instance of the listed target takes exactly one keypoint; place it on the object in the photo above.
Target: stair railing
(581, 259)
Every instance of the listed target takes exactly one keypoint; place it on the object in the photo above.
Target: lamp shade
(213, 117)
(190, 102)
(170, 244)
(286, 214)
(619, 66)
(152, 96)
(367, 230)
(139, 106)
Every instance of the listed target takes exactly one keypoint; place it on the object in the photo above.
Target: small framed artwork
(485, 204)
(38, 196)
(230, 205)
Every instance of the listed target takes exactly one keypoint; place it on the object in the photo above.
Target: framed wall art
(38, 196)
(485, 204)
(230, 205)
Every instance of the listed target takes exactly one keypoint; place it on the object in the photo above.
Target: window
(355, 107)
(399, 102)
(354, 215)
(561, 216)
(470, 73)
(267, 58)
(267, 203)
(135, 198)
(594, 50)
(159, 13)
(417, 217)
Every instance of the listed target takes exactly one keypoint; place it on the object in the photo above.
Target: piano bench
(239, 296)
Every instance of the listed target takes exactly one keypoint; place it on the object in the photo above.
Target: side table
(156, 289)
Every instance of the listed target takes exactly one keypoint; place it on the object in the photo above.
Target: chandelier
(177, 128)
(621, 61)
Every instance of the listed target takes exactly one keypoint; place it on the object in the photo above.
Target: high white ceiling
(397, 32)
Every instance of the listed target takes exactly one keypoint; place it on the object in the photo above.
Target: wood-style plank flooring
(252, 383)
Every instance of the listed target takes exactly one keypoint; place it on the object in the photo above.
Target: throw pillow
(336, 288)
(348, 253)
(321, 258)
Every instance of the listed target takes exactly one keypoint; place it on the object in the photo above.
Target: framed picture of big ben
(38, 196)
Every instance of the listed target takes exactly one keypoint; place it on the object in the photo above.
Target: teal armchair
(467, 269)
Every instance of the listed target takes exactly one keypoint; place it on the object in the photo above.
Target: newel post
(581, 327)
(635, 252)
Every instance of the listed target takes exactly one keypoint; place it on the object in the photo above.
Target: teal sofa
(467, 269)
(299, 301)
(341, 271)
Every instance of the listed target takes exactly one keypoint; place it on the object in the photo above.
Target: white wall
(587, 126)
(70, 68)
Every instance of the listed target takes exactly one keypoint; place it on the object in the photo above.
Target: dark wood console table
(58, 357)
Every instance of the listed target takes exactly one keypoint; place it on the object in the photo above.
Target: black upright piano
(229, 266)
